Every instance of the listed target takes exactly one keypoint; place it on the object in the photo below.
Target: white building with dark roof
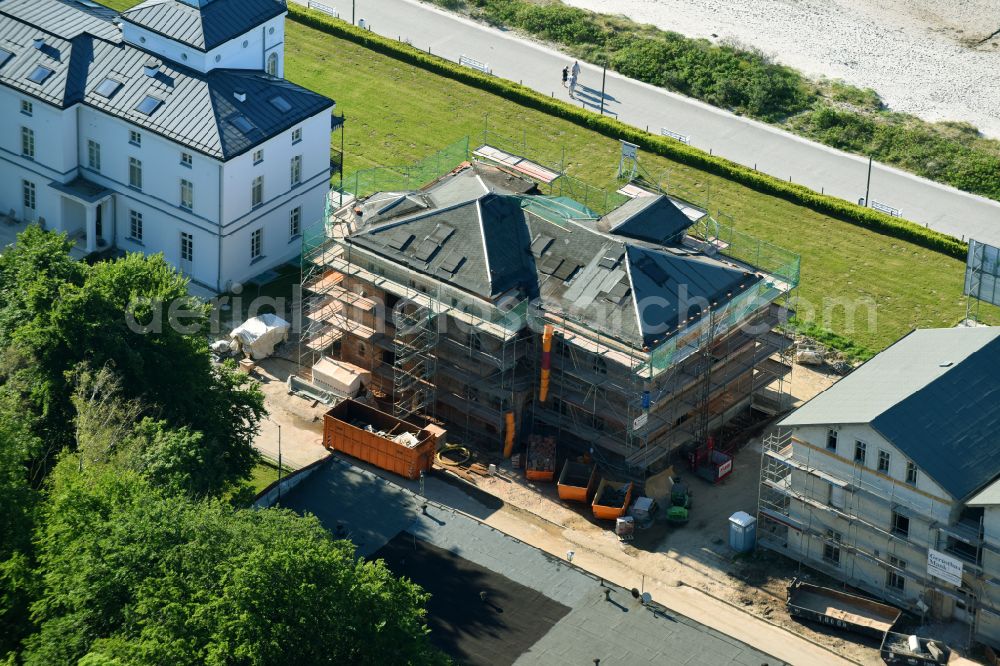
(167, 128)
(888, 480)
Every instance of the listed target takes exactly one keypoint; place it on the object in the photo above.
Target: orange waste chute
(508, 446)
(543, 390)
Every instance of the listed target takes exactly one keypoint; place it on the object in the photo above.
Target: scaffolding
(414, 343)
(811, 514)
(450, 354)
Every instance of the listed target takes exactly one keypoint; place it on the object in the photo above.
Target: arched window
(272, 64)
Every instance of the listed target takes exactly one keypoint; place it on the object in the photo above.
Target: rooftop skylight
(5, 55)
(281, 104)
(108, 87)
(148, 105)
(243, 124)
(40, 74)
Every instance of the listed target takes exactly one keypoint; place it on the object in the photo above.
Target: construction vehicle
(680, 503)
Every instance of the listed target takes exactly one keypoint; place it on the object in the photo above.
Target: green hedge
(799, 194)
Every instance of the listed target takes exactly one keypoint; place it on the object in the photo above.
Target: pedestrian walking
(572, 86)
(565, 74)
(576, 69)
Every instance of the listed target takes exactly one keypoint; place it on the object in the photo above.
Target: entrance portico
(92, 225)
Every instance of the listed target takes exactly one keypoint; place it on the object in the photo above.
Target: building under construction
(503, 312)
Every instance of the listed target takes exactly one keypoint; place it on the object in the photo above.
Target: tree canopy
(121, 448)
(135, 574)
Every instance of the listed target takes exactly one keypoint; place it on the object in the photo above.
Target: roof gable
(654, 219)
(203, 27)
(935, 395)
(951, 427)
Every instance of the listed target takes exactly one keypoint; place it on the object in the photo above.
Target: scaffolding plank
(324, 283)
(517, 163)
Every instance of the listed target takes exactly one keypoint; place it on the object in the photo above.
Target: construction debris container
(577, 482)
(378, 438)
(908, 649)
(742, 532)
(611, 499)
(541, 459)
(840, 609)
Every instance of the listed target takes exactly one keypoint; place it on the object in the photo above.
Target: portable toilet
(742, 532)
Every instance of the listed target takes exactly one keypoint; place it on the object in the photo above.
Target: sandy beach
(937, 59)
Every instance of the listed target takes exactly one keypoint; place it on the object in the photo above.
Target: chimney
(152, 67)
(240, 96)
(39, 43)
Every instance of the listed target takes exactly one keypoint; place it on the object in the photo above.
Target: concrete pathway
(745, 141)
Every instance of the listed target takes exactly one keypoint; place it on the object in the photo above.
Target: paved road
(745, 141)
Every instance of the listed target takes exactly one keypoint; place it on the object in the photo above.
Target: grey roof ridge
(482, 236)
(418, 215)
(824, 391)
(635, 299)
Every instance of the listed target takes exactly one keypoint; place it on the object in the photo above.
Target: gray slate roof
(204, 27)
(488, 243)
(652, 219)
(63, 18)
(196, 110)
(935, 394)
(619, 631)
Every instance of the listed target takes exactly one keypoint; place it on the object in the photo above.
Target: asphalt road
(748, 142)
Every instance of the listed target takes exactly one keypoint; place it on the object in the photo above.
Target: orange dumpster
(577, 481)
(611, 499)
(378, 438)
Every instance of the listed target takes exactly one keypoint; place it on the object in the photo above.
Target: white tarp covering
(260, 335)
(340, 376)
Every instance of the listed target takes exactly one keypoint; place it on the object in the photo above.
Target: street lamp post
(353, 2)
(279, 459)
(604, 78)
(868, 187)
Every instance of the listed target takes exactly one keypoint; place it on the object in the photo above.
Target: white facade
(873, 522)
(251, 50)
(81, 178)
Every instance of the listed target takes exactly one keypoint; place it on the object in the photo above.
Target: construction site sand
(936, 59)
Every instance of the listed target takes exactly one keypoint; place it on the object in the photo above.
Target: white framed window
(257, 192)
(256, 243)
(296, 135)
(93, 155)
(900, 525)
(187, 246)
(295, 222)
(911, 473)
(28, 142)
(28, 194)
(135, 225)
(831, 548)
(135, 173)
(296, 170)
(187, 194)
(186, 160)
(258, 156)
(895, 579)
(883, 461)
(134, 138)
(272, 64)
(27, 108)
(860, 452)
(831, 440)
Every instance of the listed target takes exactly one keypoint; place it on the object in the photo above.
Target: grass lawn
(266, 473)
(398, 114)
